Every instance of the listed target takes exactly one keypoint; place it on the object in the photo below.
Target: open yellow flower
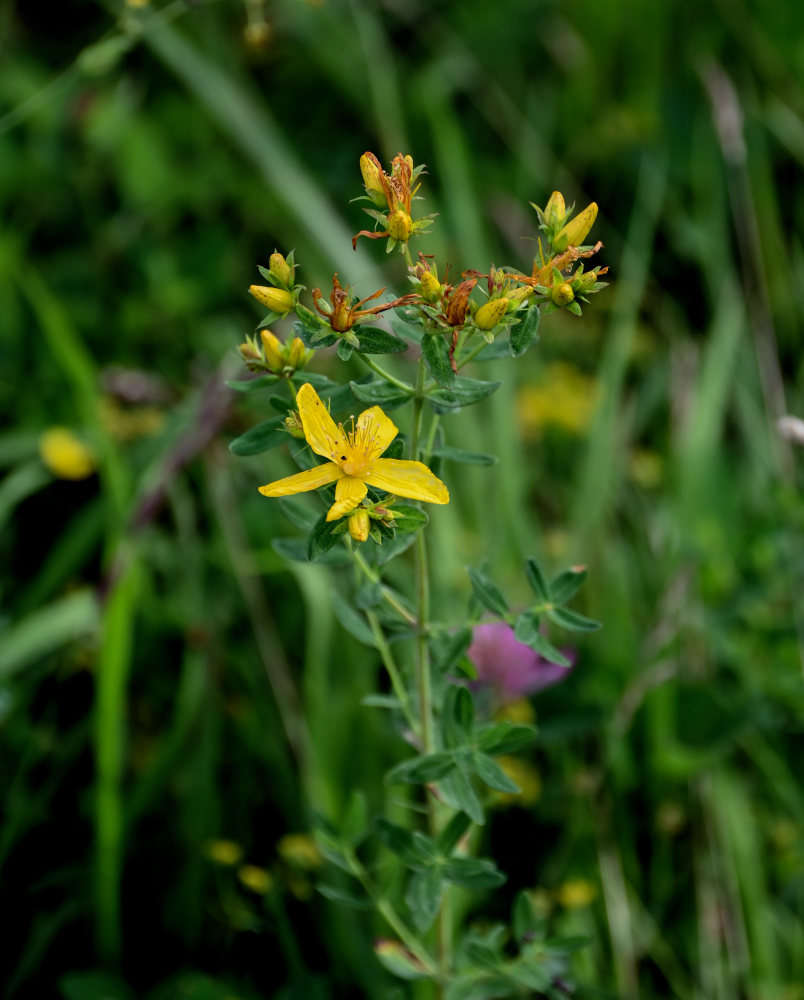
(354, 460)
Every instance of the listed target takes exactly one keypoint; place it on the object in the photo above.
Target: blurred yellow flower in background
(223, 852)
(65, 454)
(576, 893)
(524, 774)
(563, 397)
(299, 849)
(255, 878)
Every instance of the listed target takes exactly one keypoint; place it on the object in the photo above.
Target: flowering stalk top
(354, 461)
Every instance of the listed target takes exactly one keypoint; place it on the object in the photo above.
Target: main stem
(423, 685)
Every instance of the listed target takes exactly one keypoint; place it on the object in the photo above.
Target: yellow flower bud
(555, 210)
(399, 226)
(65, 454)
(280, 269)
(272, 346)
(490, 314)
(575, 231)
(293, 424)
(278, 300)
(562, 295)
(296, 353)
(430, 287)
(520, 294)
(370, 169)
(359, 525)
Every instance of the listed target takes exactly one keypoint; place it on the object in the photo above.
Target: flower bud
(399, 226)
(293, 424)
(575, 231)
(296, 353)
(519, 294)
(359, 525)
(278, 300)
(271, 347)
(430, 287)
(371, 170)
(249, 351)
(490, 314)
(555, 210)
(281, 270)
(562, 295)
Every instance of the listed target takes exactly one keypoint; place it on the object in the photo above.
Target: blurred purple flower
(510, 667)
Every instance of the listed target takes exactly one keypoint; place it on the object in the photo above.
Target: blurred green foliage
(168, 681)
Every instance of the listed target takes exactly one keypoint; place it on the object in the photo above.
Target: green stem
(391, 917)
(389, 378)
(473, 353)
(374, 577)
(389, 663)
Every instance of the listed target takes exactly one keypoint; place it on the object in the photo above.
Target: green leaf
(280, 404)
(525, 333)
(296, 549)
(355, 820)
(465, 457)
(473, 873)
(298, 515)
(498, 348)
(398, 960)
(314, 334)
(343, 897)
(435, 352)
(369, 595)
(572, 621)
(458, 717)
(422, 770)
(409, 518)
(396, 838)
(373, 340)
(457, 791)
(269, 434)
(380, 393)
(501, 738)
(537, 579)
(452, 833)
(344, 350)
(448, 650)
(380, 701)
(491, 774)
(353, 622)
(548, 650)
(567, 584)
(253, 384)
(423, 897)
(324, 535)
(463, 392)
(523, 919)
(488, 593)
(425, 848)
(526, 627)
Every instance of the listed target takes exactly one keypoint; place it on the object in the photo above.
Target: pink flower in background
(510, 667)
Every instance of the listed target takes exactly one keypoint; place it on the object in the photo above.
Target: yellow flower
(224, 852)
(575, 231)
(255, 878)
(354, 461)
(299, 849)
(576, 893)
(65, 454)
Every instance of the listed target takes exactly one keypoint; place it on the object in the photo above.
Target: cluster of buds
(560, 228)
(373, 520)
(269, 354)
(281, 295)
(395, 193)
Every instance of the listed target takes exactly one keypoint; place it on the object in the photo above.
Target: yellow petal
(376, 430)
(322, 433)
(576, 231)
(407, 479)
(321, 475)
(348, 494)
